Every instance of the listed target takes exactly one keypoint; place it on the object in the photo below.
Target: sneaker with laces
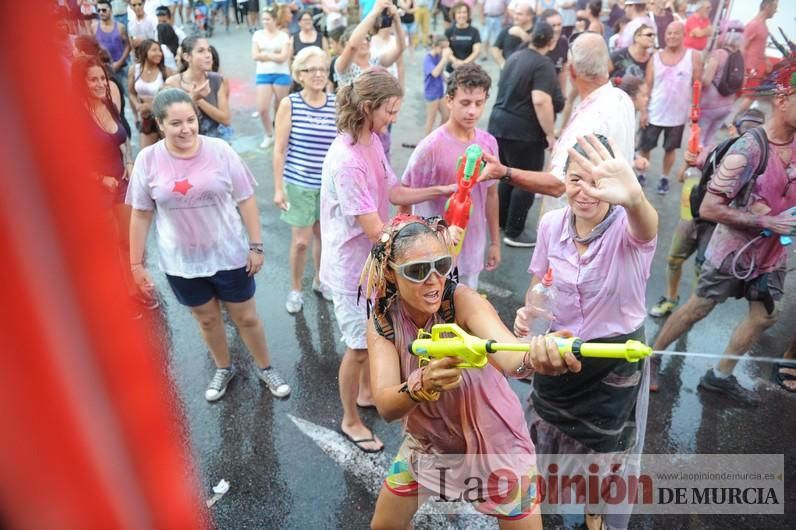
(663, 186)
(218, 385)
(521, 241)
(728, 387)
(267, 142)
(318, 287)
(664, 307)
(276, 384)
(294, 303)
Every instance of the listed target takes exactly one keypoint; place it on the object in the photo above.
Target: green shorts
(305, 205)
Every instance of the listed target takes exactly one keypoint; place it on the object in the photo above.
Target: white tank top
(147, 89)
(671, 92)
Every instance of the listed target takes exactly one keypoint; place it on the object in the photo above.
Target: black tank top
(298, 45)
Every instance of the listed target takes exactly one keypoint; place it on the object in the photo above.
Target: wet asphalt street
(286, 466)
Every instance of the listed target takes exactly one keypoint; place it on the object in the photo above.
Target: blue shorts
(228, 286)
(273, 79)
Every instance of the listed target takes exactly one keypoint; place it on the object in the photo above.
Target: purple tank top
(111, 41)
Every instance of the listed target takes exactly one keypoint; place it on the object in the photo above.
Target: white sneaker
(255, 114)
(295, 301)
(267, 142)
(275, 383)
(218, 385)
(319, 288)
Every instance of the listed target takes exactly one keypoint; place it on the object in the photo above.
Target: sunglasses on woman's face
(419, 271)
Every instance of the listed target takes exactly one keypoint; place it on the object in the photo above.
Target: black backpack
(732, 76)
(712, 163)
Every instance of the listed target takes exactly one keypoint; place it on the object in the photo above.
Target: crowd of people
(584, 91)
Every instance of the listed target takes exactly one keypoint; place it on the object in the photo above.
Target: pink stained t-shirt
(433, 163)
(355, 180)
(199, 229)
(774, 192)
(603, 292)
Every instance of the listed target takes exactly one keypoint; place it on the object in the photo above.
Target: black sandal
(781, 377)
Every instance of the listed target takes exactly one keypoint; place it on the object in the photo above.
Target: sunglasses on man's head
(419, 271)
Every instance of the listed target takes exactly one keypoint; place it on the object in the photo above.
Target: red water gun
(459, 206)
(693, 140)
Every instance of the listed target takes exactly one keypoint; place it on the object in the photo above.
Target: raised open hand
(613, 179)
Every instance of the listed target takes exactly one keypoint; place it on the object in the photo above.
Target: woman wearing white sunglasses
(467, 422)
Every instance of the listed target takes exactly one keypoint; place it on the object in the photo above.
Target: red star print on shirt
(182, 186)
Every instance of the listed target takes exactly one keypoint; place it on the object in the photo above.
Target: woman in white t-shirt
(271, 52)
(200, 194)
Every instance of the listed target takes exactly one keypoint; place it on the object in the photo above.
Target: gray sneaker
(295, 301)
(276, 384)
(728, 387)
(218, 385)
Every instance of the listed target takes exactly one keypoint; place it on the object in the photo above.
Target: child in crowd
(335, 48)
(639, 92)
(430, 175)
(434, 82)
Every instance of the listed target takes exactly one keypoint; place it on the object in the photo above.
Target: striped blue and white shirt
(312, 131)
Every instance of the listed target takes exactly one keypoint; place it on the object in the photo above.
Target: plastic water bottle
(539, 306)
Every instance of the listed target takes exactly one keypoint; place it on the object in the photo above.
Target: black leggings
(515, 202)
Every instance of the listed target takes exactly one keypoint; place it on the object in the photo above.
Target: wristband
(507, 176)
(524, 369)
(414, 384)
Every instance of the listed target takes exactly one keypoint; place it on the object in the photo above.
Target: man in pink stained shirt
(430, 175)
(755, 36)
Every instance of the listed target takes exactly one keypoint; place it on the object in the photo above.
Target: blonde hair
(357, 101)
(303, 57)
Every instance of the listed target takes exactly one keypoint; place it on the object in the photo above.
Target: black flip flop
(358, 443)
(371, 406)
(780, 378)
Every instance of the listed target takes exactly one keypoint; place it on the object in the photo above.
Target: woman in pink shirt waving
(600, 248)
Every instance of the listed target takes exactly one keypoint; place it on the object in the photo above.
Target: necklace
(97, 115)
(187, 80)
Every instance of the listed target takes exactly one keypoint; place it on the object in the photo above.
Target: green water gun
(473, 350)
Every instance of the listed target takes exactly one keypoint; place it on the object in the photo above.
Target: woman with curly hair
(356, 179)
(467, 423)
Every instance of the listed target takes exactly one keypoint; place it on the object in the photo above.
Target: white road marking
(493, 290)
(370, 470)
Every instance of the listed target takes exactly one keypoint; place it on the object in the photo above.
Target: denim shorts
(273, 79)
(228, 286)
